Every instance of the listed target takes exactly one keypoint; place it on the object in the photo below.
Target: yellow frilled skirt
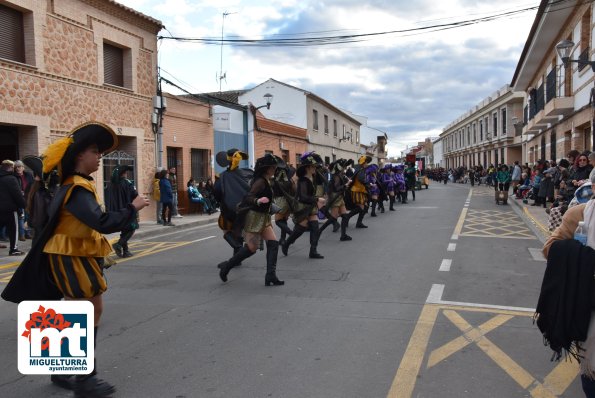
(78, 277)
(256, 222)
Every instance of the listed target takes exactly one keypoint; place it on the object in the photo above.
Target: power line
(354, 38)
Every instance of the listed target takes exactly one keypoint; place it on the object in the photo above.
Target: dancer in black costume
(257, 223)
(305, 216)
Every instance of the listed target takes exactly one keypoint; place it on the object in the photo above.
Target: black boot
(226, 266)
(233, 242)
(118, 249)
(344, 225)
(413, 194)
(313, 227)
(282, 224)
(392, 203)
(404, 197)
(271, 275)
(381, 206)
(331, 220)
(352, 213)
(298, 230)
(90, 386)
(373, 208)
(360, 218)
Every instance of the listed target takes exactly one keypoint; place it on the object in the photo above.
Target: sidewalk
(536, 215)
(151, 228)
(147, 229)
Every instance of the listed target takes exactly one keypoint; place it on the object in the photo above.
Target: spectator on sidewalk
(196, 197)
(173, 180)
(11, 200)
(582, 212)
(207, 195)
(155, 194)
(592, 163)
(578, 175)
(572, 158)
(119, 194)
(166, 197)
(25, 179)
(516, 176)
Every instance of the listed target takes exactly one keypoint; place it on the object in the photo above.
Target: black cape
(32, 280)
(230, 189)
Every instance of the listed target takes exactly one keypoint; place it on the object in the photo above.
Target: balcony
(541, 121)
(559, 106)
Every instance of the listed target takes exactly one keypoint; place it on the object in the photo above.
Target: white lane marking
(452, 247)
(435, 293)
(435, 297)
(536, 254)
(201, 239)
(454, 237)
(445, 266)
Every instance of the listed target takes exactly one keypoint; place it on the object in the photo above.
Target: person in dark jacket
(11, 200)
(25, 179)
(120, 193)
(166, 198)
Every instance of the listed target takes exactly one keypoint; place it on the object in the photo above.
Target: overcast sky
(410, 86)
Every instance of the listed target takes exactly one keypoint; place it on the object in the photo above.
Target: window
(468, 135)
(315, 119)
(357, 137)
(585, 33)
(504, 121)
(335, 127)
(495, 118)
(12, 36)
(480, 130)
(298, 158)
(474, 134)
(113, 65)
(325, 124)
(199, 163)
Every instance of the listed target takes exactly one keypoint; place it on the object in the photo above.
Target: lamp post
(269, 99)
(565, 49)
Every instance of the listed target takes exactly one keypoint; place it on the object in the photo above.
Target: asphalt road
(384, 315)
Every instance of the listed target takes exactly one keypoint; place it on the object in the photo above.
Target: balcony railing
(550, 88)
(584, 57)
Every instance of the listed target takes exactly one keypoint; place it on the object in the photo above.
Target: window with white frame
(315, 119)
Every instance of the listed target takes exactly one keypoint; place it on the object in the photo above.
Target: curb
(535, 224)
(157, 231)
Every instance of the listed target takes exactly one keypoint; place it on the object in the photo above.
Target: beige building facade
(557, 113)
(65, 62)
(487, 134)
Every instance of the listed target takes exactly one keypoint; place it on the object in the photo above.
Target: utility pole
(222, 75)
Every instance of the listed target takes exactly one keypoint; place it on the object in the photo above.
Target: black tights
(165, 207)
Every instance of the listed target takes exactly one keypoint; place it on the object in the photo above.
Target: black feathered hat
(35, 163)
(268, 160)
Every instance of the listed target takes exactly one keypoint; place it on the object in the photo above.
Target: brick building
(281, 139)
(65, 62)
(188, 142)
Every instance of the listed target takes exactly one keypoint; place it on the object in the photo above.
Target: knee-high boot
(237, 258)
(298, 230)
(360, 218)
(381, 206)
(344, 225)
(271, 275)
(331, 220)
(392, 203)
(285, 230)
(404, 197)
(232, 241)
(352, 213)
(90, 385)
(313, 227)
(374, 202)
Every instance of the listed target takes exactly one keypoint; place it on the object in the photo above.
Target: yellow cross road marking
(553, 385)
(495, 224)
(10, 265)
(467, 338)
(404, 381)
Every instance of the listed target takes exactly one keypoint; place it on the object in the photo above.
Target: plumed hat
(309, 159)
(61, 154)
(364, 160)
(268, 160)
(224, 158)
(373, 168)
(35, 163)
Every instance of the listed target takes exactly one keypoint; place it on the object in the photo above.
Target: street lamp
(565, 49)
(269, 99)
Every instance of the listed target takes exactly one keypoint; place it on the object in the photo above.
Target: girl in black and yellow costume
(336, 201)
(359, 191)
(71, 247)
(305, 217)
(257, 223)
